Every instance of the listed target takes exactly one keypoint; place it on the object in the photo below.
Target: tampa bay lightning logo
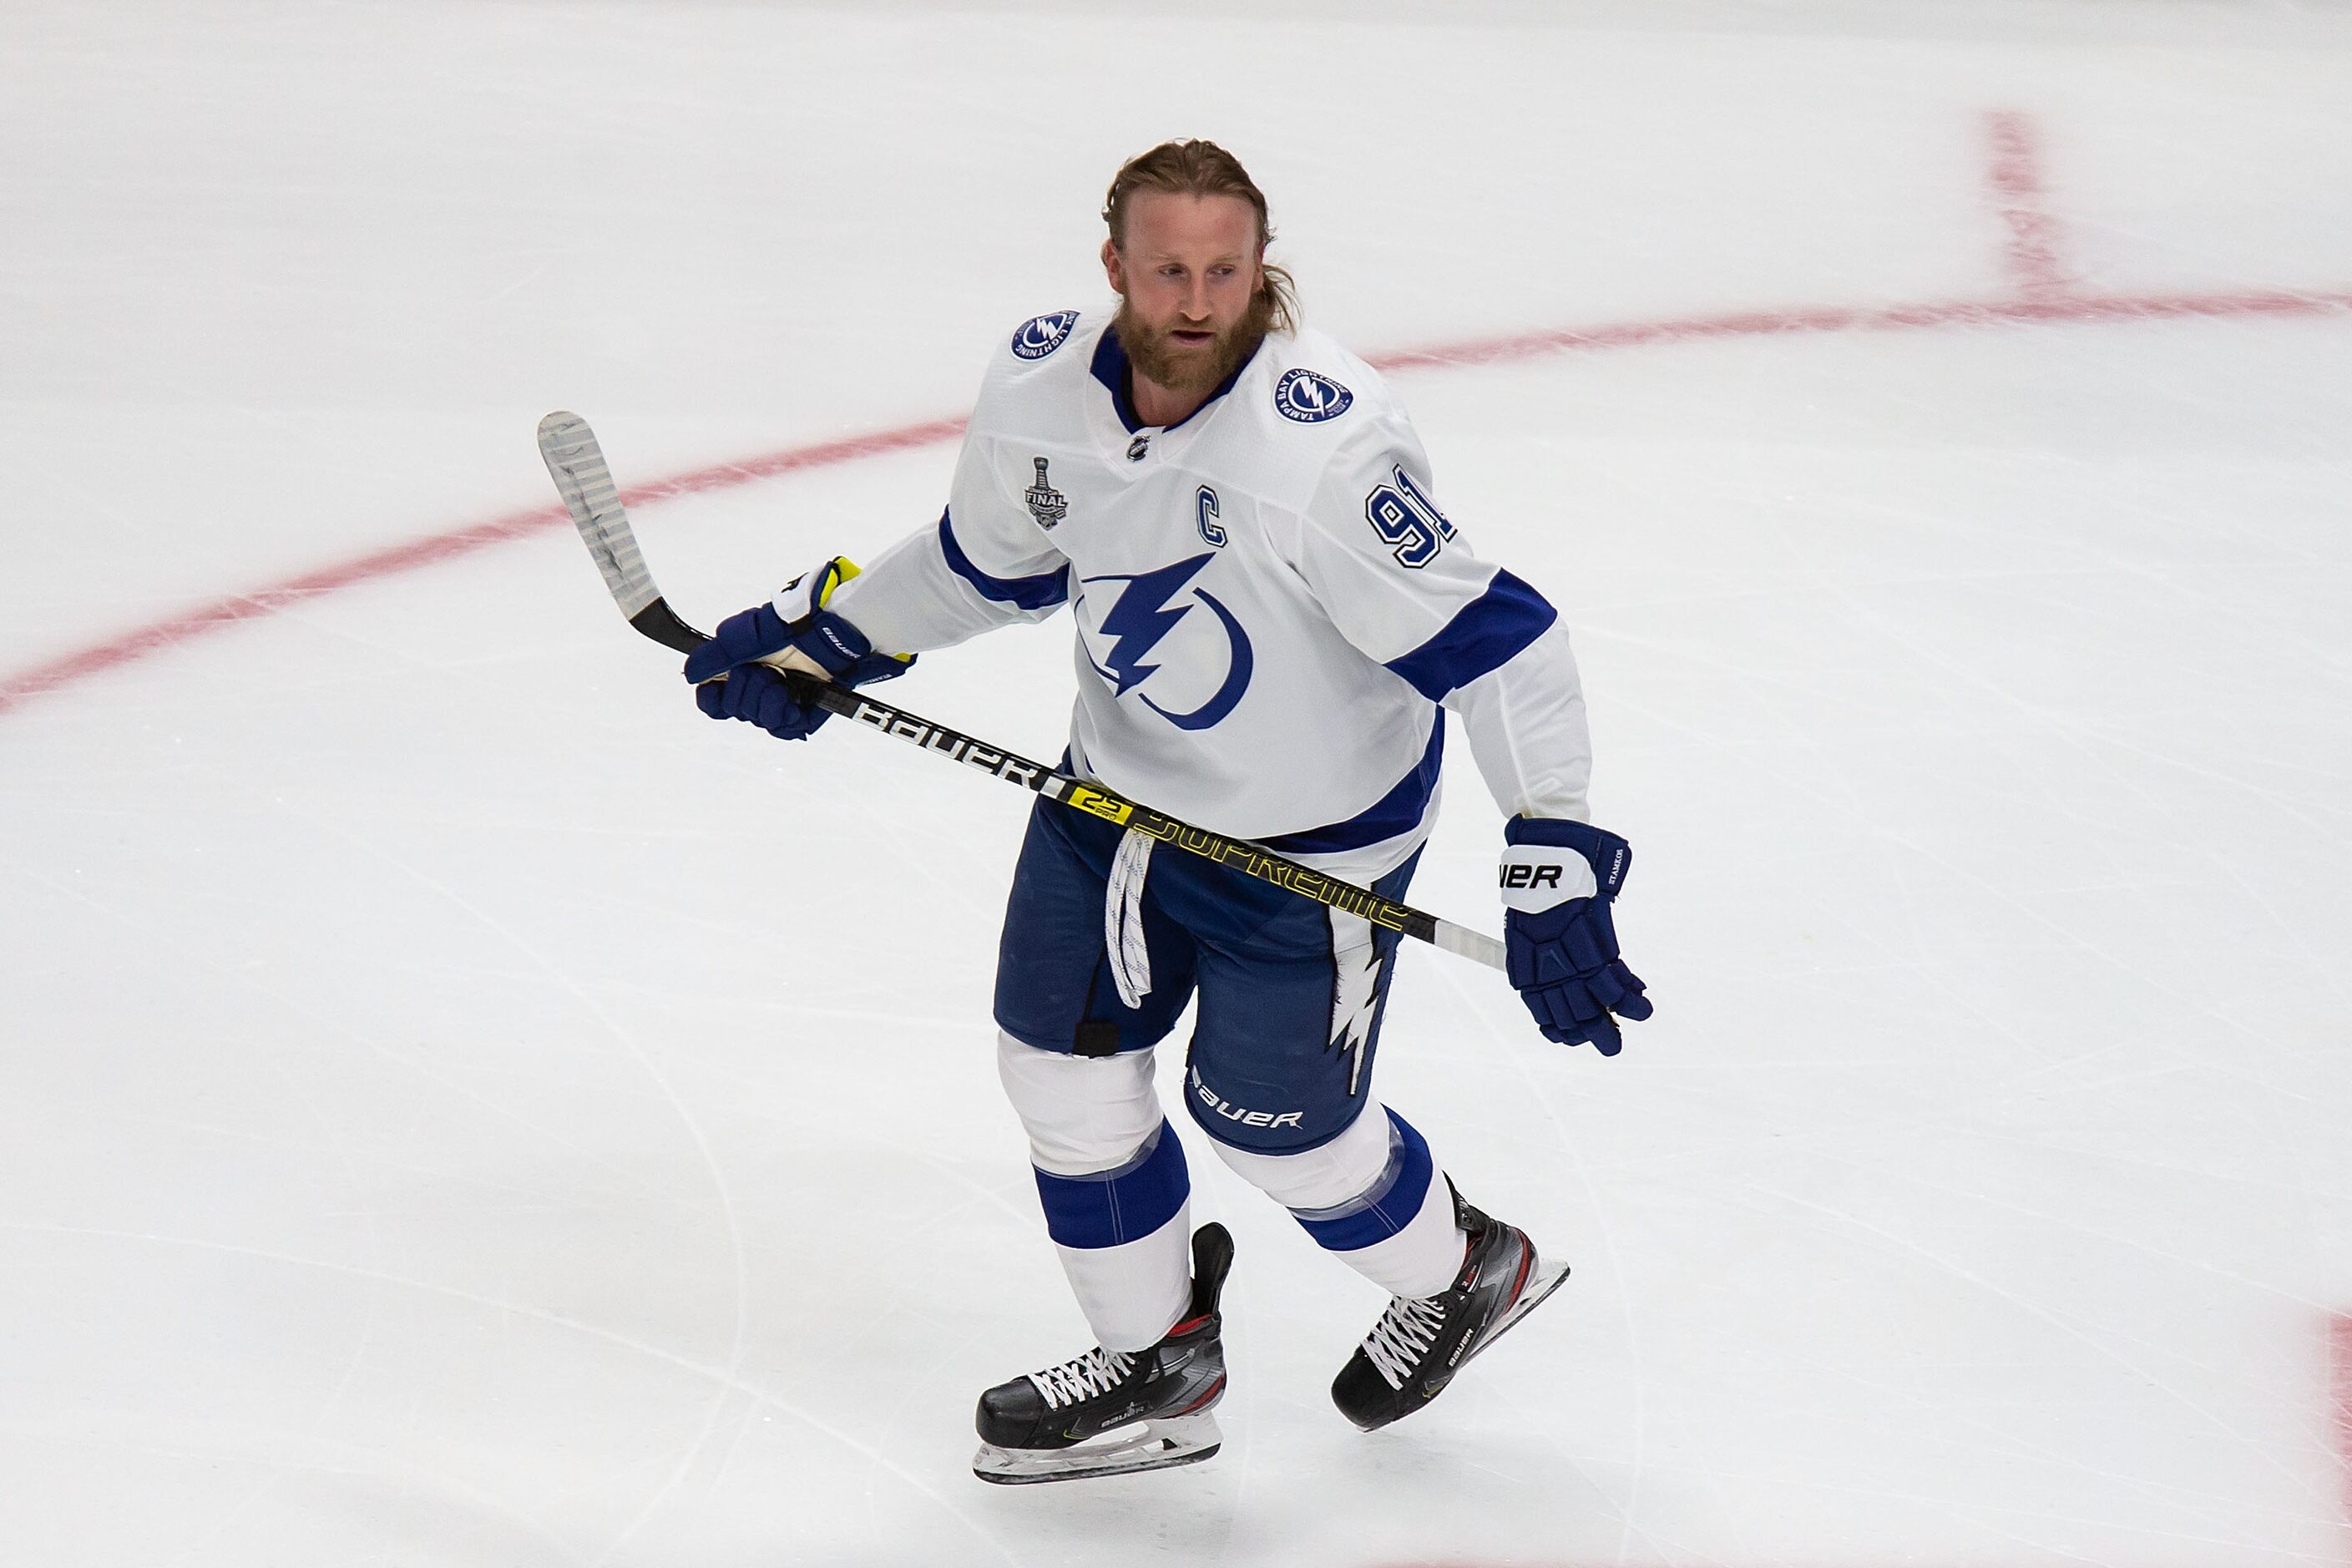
(1041, 335)
(1141, 617)
(1309, 398)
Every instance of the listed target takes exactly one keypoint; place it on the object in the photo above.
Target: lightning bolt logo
(1141, 617)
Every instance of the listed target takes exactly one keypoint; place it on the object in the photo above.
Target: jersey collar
(1111, 368)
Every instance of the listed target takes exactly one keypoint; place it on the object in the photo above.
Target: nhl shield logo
(1309, 398)
(1041, 335)
(1047, 504)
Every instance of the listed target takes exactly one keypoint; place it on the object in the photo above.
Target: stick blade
(576, 463)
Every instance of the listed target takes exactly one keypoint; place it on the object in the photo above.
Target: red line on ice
(2340, 1357)
(258, 603)
(2015, 175)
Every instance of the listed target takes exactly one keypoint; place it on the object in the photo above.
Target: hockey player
(1273, 615)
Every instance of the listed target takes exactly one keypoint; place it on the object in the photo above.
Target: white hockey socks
(1112, 1180)
(1373, 1197)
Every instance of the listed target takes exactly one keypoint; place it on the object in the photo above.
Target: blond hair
(1198, 168)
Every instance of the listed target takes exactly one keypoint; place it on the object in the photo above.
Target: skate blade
(1545, 1279)
(1153, 1446)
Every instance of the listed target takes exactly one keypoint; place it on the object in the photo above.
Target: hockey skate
(1420, 1343)
(1110, 1413)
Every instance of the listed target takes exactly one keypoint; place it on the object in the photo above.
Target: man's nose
(1196, 300)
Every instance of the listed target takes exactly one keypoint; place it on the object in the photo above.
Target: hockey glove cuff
(1558, 880)
(732, 679)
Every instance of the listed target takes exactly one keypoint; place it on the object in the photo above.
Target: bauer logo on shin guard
(1221, 1107)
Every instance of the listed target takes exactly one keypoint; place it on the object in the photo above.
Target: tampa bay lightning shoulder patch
(1309, 398)
(1041, 335)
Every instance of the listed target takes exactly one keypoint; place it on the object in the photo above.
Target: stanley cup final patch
(1047, 504)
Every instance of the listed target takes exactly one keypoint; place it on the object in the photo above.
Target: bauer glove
(1558, 880)
(731, 679)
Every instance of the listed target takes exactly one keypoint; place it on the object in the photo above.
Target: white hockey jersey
(1271, 607)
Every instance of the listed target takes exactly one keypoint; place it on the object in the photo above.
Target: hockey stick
(577, 465)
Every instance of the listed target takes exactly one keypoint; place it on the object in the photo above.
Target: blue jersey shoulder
(1041, 335)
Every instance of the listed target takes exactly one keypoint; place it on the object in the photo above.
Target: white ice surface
(458, 1107)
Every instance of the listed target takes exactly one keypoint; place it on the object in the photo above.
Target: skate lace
(1404, 1335)
(1096, 1371)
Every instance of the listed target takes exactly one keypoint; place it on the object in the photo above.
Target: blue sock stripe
(1113, 1208)
(1391, 1203)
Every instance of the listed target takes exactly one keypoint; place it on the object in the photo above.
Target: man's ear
(1111, 268)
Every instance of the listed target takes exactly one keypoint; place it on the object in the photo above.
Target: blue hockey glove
(796, 620)
(1559, 877)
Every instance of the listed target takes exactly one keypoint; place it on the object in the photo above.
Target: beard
(1194, 371)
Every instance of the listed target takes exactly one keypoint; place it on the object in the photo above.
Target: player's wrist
(803, 609)
(1537, 841)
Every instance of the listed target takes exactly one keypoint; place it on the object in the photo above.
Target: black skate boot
(1420, 1343)
(1073, 1419)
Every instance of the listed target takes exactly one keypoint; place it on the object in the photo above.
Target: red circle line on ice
(256, 604)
